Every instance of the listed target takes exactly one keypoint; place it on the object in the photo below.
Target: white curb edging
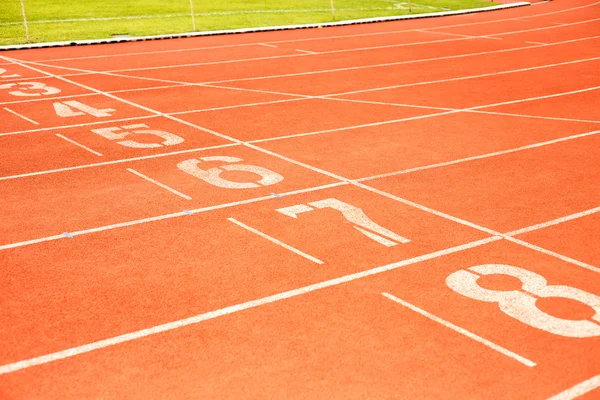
(261, 29)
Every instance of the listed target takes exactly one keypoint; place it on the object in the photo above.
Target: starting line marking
(277, 242)
(462, 331)
(79, 144)
(21, 116)
(162, 185)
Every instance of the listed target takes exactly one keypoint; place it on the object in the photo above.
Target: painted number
(521, 304)
(121, 133)
(74, 108)
(30, 89)
(352, 214)
(212, 175)
(3, 76)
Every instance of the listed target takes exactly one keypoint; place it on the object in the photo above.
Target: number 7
(352, 214)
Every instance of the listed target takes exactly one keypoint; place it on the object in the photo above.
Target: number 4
(3, 71)
(66, 109)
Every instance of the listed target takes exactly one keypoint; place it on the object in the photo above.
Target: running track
(398, 210)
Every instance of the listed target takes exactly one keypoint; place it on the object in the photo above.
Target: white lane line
(276, 241)
(369, 125)
(162, 185)
(54, 128)
(462, 331)
(469, 77)
(45, 99)
(123, 160)
(540, 43)
(467, 110)
(168, 216)
(456, 34)
(578, 390)
(558, 23)
(306, 51)
(74, 351)
(553, 254)
(21, 116)
(554, 222)
(78, 144)
(479, 157)
(395, 32)
(266, 58)
(266, 45)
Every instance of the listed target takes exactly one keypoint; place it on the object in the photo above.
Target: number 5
(521, 306)
(115, 134)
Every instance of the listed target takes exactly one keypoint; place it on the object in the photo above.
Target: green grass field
(51, 20)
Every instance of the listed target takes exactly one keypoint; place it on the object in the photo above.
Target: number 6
(212, 175)
(521, 306)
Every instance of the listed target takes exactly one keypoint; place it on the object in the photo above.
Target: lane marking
(468, 77)
(157, 183)
(467, 110)
(460, 330)
(168, 216)
(267, 45)
(21, 116)
(306, 51)
(554, 222)
(74, 351)
(313, 39)
(478, 157)
(578, 390)
(553, 254)
(276, 241)
(124, 160)
(265, 58)
(428, 30)
(47, 99)
(78, 144)
(540, 43)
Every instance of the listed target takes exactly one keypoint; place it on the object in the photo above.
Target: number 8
(521, 306)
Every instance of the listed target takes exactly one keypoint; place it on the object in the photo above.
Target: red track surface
(470, 142)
